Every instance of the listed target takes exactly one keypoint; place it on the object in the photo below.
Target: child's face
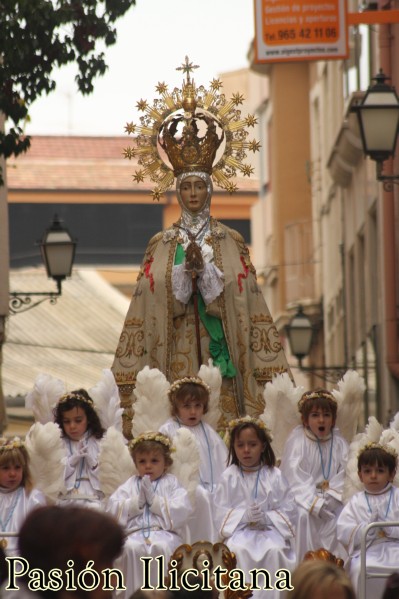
(320, 421)
(248, 448)
(190, 411)
(11, 476)
(74, 423)
(151, 463)
(375, 478)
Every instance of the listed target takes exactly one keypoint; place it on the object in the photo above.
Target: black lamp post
(300, 332)
(58, 254)
(378, 116)
(300, 335)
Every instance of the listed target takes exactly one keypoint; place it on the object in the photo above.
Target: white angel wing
(42, 399)
(105, 396)
(115, 462)
(46, 451)
(151, 408)
(211, 375)
(281, 409)
(349, 396)
(186, 461)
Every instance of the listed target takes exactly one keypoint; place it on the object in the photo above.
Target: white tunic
(14, 507)
(272, 547)
(303, 468)
(382, 552)
(81, 480)
(213, 460)
(152, 531)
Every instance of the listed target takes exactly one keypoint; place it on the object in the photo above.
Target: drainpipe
(388, 223)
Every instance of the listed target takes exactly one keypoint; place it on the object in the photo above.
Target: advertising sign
(287, 30)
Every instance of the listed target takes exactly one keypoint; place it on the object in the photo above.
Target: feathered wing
(151, 408)
(106, 399)
(371, 434)
(186, 461)
(349, 396)
(212, 376)
(42, 399)
(114, 460)
(46, 451)
(281, 409)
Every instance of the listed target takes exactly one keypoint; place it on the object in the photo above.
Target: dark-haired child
(255, 509)
(189, 400)
(314, 461)
(152, 506)
(17, 498)
(378, 502)
(81, 431)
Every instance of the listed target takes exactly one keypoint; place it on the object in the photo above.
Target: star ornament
(142, 105)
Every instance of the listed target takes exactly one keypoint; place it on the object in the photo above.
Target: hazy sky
(153, 39)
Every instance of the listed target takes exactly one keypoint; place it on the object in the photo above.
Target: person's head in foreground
(320, 580)
(52, 536)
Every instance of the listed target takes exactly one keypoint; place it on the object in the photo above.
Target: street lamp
(378, 116)
(58, 253)
(300, 338)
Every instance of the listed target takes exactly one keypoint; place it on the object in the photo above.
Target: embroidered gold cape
(159, 331)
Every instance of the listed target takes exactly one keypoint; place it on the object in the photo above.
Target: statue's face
(193, 193)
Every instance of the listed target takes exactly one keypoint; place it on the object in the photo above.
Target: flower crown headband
(9, 444)
(315, 395)
(250, 420)
(149, 436)
(387, 448)
(195, 380)
(68, 396)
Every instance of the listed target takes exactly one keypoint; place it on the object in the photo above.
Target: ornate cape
(159, 331)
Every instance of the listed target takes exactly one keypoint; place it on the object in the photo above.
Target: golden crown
(195, 380)
(150, 436)
(317, 394)
(68, 396)
(387, 448)
(250, 420)
(9, 444)
(189, 125)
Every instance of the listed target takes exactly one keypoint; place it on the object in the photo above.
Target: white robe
(81, 481)
(213, 460)
(382, 552)
(20, 503)
(271, 548)
(151, 533)
(302, 467)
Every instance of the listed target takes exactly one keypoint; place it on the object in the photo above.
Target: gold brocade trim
(258, 318)
(152, 244)
(315, 500)
(264, 375)
(288, 523)
(216, 232)
(169, 307)
(224, 522)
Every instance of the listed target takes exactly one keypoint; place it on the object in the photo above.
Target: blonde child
(189, 401)
(255, 509)
(153, 507)
(378, 502)
(313, 461)
(81, 433)
(17, 498)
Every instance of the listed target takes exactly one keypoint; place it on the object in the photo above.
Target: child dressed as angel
(378, 502)
(74, 458)
(153, 507)
(313, 461)
(189, 401)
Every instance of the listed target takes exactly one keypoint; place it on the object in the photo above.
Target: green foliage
(37, 36)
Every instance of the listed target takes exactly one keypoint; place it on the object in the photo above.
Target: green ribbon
(213, 325)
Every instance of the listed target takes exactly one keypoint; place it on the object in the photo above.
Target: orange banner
(300, 30)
